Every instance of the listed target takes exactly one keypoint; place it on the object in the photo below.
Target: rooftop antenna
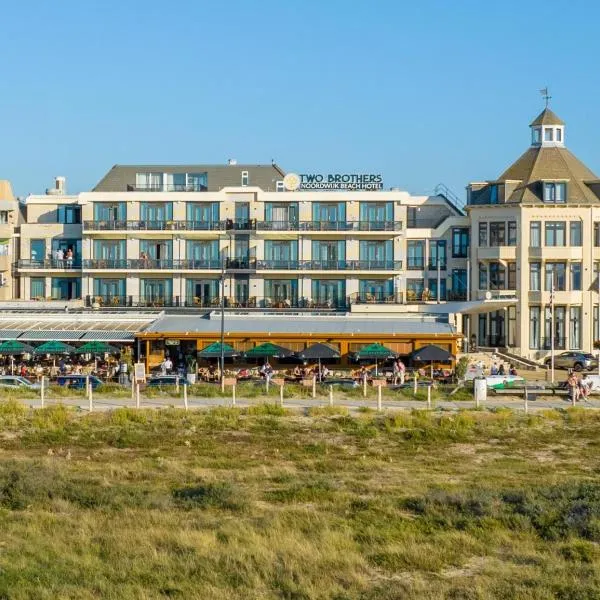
(545, 95)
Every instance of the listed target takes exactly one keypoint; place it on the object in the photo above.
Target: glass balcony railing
(377, 298)
(49, 263)
(166, 225)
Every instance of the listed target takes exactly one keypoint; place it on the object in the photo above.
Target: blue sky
(422, 92)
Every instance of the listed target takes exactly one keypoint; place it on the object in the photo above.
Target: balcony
(169, 225)
(342, 226)
(329, 265)
(377, 298)
(62, 265)
(136, 264)
(166, 187)
(214, 302)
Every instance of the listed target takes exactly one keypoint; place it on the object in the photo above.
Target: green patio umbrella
(96, 348)
(13, 347)
(54, 347)
(268, 350)
(375, 352)
(214, 351)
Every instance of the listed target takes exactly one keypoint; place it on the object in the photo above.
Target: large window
(415, 250)
(69, 215)
(534, 327)
(535, 234)
(483, 276)
(575, 269)
(497, 233)
(433, 288)
(575, 233)
(483, 234)
(460, 243)
(555, 271)
(556, 233)
(575, 328)
(497, 276)
(555, 193)
(493, 194)
(156, 212)
(559, 328)
(38, 288)
(512, 276)
(597, 234)
(414, 289)
(512, 233)
(437, 254)
(535, 277)
(110, 211)
(37, 249)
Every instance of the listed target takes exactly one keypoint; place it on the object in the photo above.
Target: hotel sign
(333, 181)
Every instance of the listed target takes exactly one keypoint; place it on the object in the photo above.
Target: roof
(546, 117)
(219, 176)
(553, 163)
(299, 324)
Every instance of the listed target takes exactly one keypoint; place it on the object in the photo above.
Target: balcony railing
(243, 225)
(456, 295)
(415, 264)
(330, 265)
(243, 264)
(329, 225)
(432, 266)
(214, 302)
(377, 298)
(49, 263)
(147, 263)
(166, 187)
(166, 225)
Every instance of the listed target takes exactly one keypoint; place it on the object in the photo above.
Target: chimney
(60, 187)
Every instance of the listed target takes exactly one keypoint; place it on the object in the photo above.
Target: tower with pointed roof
(534, 229)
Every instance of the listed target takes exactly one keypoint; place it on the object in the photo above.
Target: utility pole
(439, 274)
(222, 316)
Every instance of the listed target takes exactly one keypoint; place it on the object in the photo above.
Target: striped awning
(108, 336)
(10, 334)
(45, 335)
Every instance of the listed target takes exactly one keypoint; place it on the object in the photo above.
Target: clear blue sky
(423, 92)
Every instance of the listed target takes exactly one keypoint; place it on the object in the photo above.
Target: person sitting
(297, 373)
(325, 372)
(494, 369)
(501, 370)
(585, 386)
(512, 371)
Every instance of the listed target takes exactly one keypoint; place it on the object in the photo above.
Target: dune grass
(268, 503)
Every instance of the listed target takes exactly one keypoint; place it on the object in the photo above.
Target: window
(534, 327)
(483, 234)
(497, 233)
(415, 254)
(555, 233)
(536, 136)
(512, 276)
(245, 178)
(575, 234)
(414, 289)
(4, 248)
(437, 254)
(575, 328)
(535, 234)
(559, 328)
(279, 186)
(512, 233)
(596, 332)
(556, 272)
(575, 276)
(37, 249)
(548, 134)
(460, 243)
(69, 215)
(493, 194)
(149, 181)
(3, 217)
(597, 234)
(497, 276)
(558, 134)
(37, 287)
(483, 276)
(432, 283)
(555, 193)
(535, 281)
(110, 211)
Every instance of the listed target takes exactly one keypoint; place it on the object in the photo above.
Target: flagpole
(552, 329)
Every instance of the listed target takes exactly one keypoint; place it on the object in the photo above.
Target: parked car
(15, 381)
(578, 361)
(160, 380)
(77, 382)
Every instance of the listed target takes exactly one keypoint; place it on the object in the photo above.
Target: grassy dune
(263, 503)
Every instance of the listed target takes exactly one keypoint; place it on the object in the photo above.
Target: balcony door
(157, 211)
(203, 292)
(154, 290)
(156, 250)
(375, 289)
(329, 293)
(329, 252)
(109, 288)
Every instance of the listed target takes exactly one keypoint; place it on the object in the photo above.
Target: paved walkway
(297, 403)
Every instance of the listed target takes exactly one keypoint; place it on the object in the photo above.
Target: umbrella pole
(431, 369)
(320, 370)
(12, 365)
(376, 372)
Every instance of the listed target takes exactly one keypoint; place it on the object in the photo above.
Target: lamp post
(222, 316)
(552, 329)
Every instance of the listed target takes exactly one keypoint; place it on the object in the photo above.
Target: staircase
(500, 357)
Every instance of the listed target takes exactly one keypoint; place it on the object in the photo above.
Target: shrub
(205, 494)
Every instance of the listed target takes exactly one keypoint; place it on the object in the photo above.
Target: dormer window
(555, 192)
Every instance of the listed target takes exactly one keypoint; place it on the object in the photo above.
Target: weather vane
(545, 95)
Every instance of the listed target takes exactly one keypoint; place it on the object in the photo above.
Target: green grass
(264, 502)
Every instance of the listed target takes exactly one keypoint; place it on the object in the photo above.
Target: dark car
(577, 361)
(160, 380)
(77, 382)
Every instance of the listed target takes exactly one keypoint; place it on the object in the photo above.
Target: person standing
(69, 258)
(402, 371)
(573, 387)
